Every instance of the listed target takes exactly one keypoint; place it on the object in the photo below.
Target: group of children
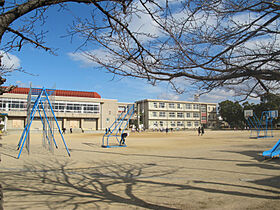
(200, 131)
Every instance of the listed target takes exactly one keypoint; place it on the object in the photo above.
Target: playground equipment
(274, 152)
(41, 104)
(118, 128)
(262, 125)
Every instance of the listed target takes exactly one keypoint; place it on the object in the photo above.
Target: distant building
(87, 111)
(79, 110)
(156, 114)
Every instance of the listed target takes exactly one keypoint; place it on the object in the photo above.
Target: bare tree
(210, 44)
(31, 13)
(231, 44)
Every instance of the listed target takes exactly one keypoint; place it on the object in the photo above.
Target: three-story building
(156, 114)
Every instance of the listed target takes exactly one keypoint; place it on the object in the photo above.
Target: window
(188, 106)
(155, 124)
(61, 107)
(196, 124)
(161, 123)
(161, 114)
(203, 108)
(77, 107)
(2, 105)
(180, 123)
(171, 114)
(171, 105)
(189, 124)
(172, 123)
(179, 106)
(188, 115)
(121, 108)
(88, 108)
(154, 114)
(180, 115)
(196, 106)
(196, 115)
(155, 105)
(161, 105)
(203, 118)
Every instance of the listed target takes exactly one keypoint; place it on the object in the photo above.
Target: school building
(162, 114)
(79, 110)
(85, 111)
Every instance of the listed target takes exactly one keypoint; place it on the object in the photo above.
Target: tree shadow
(106, 151)
(60, 185)
(257, 156)
(76, 187)
(1, 198)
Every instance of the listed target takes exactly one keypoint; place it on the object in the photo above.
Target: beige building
(157, 114)
(79, 110)
(87, 111)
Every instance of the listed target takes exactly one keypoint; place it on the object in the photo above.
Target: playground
(178, 170)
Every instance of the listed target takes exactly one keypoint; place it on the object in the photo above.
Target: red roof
(69, 93)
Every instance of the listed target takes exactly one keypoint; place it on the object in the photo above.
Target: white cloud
(9, 61)
(88, 61)
(217, 96)
(81, 57)
(169, 96)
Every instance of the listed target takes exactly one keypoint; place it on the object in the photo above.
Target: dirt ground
(180, 170)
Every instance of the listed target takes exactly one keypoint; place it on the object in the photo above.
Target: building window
(180, 123)
(161, 114)
(58, 106)
(188, 115)
(155, 124)
(89, 108)
(171, 105)
(171, 114)
(155, 105)
(196, 115)
(196, 124)
(189, 124)
(172, 123)
(180, 115)
(203, 118)
(161, 123)
(121, 108)
(154, 114)
(161, 105)
(196, 106)
(203, 108)
(188, 106)
(179, 106)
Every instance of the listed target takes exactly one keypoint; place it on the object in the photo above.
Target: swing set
(40, 99)
(260, 126)
(118, 128)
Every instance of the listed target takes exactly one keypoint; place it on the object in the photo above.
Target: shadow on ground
(59, 185)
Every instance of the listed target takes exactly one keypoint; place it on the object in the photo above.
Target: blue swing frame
(117, 124)
(42, 97)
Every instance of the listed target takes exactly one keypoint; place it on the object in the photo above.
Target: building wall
(78, 113)
(109, 113)
(176, 114)
(90, 114)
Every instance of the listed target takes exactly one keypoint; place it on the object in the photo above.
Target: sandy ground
(220, 170)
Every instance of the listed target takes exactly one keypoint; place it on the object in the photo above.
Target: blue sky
(69, 73)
